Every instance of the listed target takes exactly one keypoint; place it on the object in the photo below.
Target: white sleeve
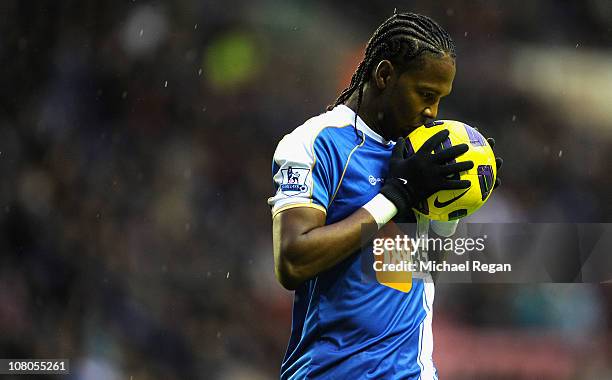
(445, 229)
(300, 175)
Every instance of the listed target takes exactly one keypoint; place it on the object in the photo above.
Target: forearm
(316, 250)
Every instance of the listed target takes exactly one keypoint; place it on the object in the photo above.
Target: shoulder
(323, 132)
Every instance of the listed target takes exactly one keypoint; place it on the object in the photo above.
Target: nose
(431, 111)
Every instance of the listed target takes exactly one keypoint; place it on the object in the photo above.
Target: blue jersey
(344, 327)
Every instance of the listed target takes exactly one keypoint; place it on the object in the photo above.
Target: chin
(406, 131)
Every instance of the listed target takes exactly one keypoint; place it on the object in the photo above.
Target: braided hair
(402, 38)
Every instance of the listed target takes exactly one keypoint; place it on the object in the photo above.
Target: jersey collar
(361, 125)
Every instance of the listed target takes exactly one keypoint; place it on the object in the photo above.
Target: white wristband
(381, 209)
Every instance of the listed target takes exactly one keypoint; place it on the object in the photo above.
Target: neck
(367, 113)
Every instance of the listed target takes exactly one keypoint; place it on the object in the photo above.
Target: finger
(497, 183)
(491, 141)
(451, 153)
(499, 162)
(398, 150)
(455, 184)
(433, 123)
(434, 141)
(456, 168)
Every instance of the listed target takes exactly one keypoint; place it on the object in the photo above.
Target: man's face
(415, 96)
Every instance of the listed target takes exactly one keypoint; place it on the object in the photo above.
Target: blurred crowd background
(136, 140)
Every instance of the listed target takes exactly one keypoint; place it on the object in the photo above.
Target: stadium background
(135, 148)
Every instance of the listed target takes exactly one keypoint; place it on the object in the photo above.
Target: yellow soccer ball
(448, 205)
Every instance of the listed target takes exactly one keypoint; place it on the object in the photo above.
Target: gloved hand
(498, 163)
(415, 178)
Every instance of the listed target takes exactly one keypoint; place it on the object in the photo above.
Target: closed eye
(428, 96)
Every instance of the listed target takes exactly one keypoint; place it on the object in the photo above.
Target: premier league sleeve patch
(294, 181)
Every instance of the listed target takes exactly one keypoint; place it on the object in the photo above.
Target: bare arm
(304, 246)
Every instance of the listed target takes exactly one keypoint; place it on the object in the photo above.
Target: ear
(383, 74)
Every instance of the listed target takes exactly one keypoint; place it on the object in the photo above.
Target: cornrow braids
(401, 38)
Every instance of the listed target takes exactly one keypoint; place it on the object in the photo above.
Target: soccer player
(348, 167)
